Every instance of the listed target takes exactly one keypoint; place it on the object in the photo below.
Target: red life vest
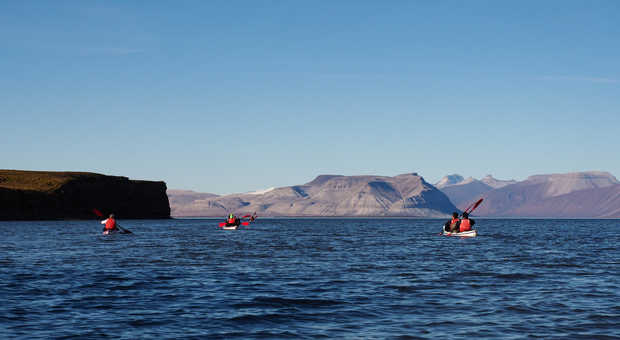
(231, 220)
(465, 225)
(454, 222)
(110, 224)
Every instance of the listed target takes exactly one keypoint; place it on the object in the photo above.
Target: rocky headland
(44, 195)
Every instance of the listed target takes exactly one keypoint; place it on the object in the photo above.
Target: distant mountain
(449, 180)
(463, 191)
(184, 202)
(463, 194)
(330, 195)
(496, 183)
(582, 194)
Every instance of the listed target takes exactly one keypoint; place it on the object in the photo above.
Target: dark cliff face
(67, 195)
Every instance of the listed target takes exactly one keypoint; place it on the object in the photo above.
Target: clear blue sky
(235, 96)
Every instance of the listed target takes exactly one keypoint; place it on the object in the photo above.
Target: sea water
(310, 278)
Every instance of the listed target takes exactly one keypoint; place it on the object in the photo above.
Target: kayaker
(110, 224)
(253, 217)
(466, 223)
(453, 224)
(232, 220)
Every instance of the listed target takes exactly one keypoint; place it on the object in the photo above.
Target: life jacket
(110, 224)
(465, 225)
(231, 220)
(454, 221)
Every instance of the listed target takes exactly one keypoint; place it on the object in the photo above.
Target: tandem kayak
(469, 233)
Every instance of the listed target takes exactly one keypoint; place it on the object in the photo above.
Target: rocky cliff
(331, 195)
(41, 195)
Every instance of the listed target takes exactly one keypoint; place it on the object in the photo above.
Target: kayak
(469, 233)
(227, 226)
(110, 232)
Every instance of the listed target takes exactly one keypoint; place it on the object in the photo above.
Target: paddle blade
(476, 205)
(222, 224)
(97, 212)
(469, 207)
(246, 216)
(245, 223)
(123, 230)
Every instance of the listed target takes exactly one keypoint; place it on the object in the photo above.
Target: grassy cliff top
(39, 180)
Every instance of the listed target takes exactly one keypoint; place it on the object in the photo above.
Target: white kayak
(469, 233)
(232, 227)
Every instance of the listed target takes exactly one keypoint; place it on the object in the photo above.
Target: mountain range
(326, 195)
(590, 194)
(462, 190)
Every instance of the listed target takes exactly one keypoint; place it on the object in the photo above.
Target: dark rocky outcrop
(42, 195)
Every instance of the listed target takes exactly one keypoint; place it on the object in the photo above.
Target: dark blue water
(311, 278)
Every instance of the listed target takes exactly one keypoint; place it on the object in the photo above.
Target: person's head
(455, 215)
(230, 215)
(465, 215)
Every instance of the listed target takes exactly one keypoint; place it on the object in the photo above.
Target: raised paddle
(474, 206)
(123, 230)
(471, 208)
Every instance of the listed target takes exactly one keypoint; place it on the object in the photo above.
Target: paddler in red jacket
(232, 220)
(110, 224)
(453, 225)
(466, 223)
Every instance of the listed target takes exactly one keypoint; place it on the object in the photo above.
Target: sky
(236, 96)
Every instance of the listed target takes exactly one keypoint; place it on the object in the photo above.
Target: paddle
(123, 230)
(473, 206)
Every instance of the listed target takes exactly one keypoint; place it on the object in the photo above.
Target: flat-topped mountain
(332, 195)
(560, 184)
(42, 195)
